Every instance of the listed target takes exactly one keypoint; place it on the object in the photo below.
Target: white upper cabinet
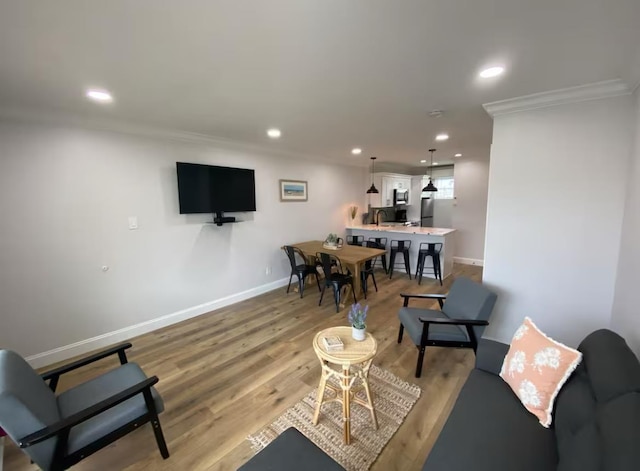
(386, 183)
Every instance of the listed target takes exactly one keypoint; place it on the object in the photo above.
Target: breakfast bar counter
(416, 235)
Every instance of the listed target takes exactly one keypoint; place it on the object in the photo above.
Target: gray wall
(556, 201)
(626, 306)
(65, 197)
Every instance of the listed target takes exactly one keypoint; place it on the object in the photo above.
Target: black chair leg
(373, 277)
(384, 263)
(436, 267)
(289, 286)
(421, 267)
(400, 332)
(318, 281)
(363, 280)
(392, 262)
(336, 296)
(353, 290)
(407, 266)
(301, 280)
(420, 361)
(322, 294)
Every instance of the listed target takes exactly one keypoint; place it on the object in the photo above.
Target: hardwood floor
(226, 374)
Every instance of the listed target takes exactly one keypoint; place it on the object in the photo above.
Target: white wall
(65, 196)
(469, 215)
(553, 225)
(626, 306)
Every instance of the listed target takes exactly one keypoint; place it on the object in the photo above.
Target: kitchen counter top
(434, 231)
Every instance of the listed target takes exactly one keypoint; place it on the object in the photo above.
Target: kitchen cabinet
(386, 183)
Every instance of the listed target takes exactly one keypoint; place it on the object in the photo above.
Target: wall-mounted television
(213, 189)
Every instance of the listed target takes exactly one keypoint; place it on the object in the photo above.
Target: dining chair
(367, 270)
(335, 278)
(300, 268)
(355, 239)
(382, 244)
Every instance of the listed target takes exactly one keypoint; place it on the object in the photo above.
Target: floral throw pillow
(536, 367)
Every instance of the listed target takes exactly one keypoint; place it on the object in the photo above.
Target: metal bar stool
(382, 244)
(400, 246)
(355, 239)
(429, 249)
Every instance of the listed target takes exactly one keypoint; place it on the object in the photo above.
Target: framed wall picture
(293, 190)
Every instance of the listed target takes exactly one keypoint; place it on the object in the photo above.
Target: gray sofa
(596, 420)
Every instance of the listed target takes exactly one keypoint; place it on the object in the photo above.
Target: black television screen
(209, 189)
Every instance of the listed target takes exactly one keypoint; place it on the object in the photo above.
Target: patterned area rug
(393, 399)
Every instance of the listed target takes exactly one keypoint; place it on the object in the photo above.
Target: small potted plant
(357, 317)
(331, 240)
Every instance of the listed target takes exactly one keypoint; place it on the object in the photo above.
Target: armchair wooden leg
(400, 332)
(420, 360)
(155, 423)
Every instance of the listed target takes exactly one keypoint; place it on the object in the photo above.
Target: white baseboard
(78, 348)
(469, 261)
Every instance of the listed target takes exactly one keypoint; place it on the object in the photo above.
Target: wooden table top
(350, 254)
(354, 351)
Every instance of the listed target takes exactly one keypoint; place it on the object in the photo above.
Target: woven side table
(354, 362)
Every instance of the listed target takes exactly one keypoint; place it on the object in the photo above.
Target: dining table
(351, 256)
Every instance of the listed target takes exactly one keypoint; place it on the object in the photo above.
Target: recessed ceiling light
(423, 161)
(458, 155)
(435, 163)
(442, 137)
(274, 133)
(101, 96)
(492, 72)
(356, 151)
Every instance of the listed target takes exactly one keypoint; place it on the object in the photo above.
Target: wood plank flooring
(226, 374)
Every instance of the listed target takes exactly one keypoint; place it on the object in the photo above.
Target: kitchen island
(416, 235)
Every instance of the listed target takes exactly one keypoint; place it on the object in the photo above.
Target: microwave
(400, 197)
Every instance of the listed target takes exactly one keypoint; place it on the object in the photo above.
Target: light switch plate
(133, 223)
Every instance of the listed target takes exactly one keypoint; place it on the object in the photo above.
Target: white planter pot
(358, 334)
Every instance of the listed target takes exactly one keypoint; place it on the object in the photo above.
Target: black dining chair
(355, 239)
(382, 244)
(300, 268)
(335, 278)
(367, 270)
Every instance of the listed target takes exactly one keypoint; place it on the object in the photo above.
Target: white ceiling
(332, 74)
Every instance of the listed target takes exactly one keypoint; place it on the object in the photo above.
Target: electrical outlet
(268, 271)
(133, 223)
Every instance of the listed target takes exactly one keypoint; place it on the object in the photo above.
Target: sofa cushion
(597, 416)
(410, 319)
(489, 430)
(291, 451)
(98, 389)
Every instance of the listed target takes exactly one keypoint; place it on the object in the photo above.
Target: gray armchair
(459, 323)
(57, 432)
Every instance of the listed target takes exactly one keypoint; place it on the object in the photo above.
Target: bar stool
(429, 249)
(382, 244)
(400, 246)
(355, 239)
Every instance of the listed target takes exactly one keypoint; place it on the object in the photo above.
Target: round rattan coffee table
(354, 361)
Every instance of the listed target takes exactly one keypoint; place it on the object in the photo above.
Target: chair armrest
(119, 349)
(446, 320)
(490, 355)
(85, 414)
(439, 297)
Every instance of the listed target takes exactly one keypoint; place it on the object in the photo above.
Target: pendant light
(373, 189)
(430, 186)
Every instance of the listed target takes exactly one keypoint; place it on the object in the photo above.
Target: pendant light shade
(430, 186)
(372, 189)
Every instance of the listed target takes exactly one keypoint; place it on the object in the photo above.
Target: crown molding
(30, 115)
(592, 91)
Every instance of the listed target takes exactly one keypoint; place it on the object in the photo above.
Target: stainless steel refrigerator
(426, 212)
